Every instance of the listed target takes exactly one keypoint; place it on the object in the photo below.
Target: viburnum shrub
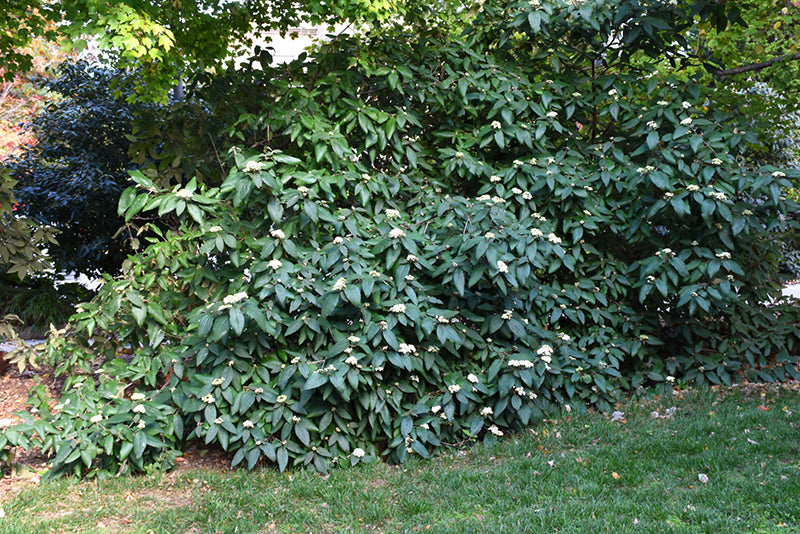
(435, 240)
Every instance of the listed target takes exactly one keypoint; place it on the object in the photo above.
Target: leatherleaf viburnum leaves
(438, 240)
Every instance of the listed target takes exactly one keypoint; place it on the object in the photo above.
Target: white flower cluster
(392, 213)
(693, 187)
(396, 233)
(209, 399)
(405, 348)
(247, 423)
(340, 284)
(724, 255)
(535, 232)
(358, 452)
(233, 299)
(552, 114)
(398, 308)
(472, 379)
(562, 336)
(718, 195)
(665, 252)
(454, 388)
(507, 314)
(184, 193)
(553, 238)
(96, 418)
(496, 431)
(687, 121)
(253, 166)
(489, 235)
(351, 360)
(487, 411)
(496, 125)
(275, 264)
(778, 174)
(217, 381)
(653, 125)
(521, 364)
(502, 266)
(138, 397)
(277, 234)
(214, 229)
(716, 161)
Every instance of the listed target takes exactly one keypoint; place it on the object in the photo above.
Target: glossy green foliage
(427, 240)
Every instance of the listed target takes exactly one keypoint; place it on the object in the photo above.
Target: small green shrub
(444, 239)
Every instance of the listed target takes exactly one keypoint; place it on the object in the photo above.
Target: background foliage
(425, 240)
(72, 177)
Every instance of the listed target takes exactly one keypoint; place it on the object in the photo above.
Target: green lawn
(580, 473)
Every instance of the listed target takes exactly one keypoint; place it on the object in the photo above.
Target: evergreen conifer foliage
(438, 240)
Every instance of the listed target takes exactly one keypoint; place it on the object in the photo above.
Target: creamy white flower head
(498, 200)
(552, 114)
(553, 238)
(778, 174)
(258, 391)
(217, 381)
(277, 234)
(562, 336)
(405, 348)
(489, 235)
(502, 266)
(184, 193)
(496, 431)
(409, 277)
(718, 195)
(281, 399)
(138, 397)
(353, 339)
(471, 378)
(507, 314)
(351, 360)
(496, 125)
(516, 190)
(483, 198)
(662, 103)
(392, 213)
(526, 195)
(613, 92)
(535, 3)
(96, 418)
(546, 359)
(209, 399)
(233, 299)
(747, 212)
(687, 121)
(139, 408)
(535, 232)
(453, 388)
(521, 364)
(398, 308)
(686, 105)
(487, 410)
(411, 257)
(693, 187)
(218, 421)
(214, 229)
(247, 423)
(396, 233)
(460, 155)
(724, 255)
(545, 350)
(435, 409)
(340, 284)
(275, 264)
(358, 452)
(576, 94)
(140, 425)
(494, 178)
(653, 125)
(253, 166)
